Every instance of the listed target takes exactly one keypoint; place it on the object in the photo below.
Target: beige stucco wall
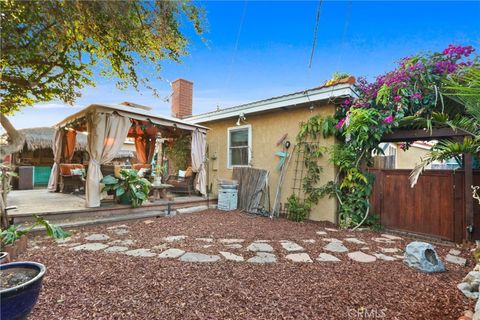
(410, 158)
(267, 129)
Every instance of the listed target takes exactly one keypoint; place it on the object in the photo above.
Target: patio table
(159, 191)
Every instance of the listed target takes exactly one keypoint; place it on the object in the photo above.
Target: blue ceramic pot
(18, 302)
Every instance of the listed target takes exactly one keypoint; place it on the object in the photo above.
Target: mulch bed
(98, 285)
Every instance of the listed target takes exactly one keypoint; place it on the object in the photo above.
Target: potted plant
(129, 188)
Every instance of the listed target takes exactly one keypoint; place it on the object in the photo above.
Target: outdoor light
(241, 117)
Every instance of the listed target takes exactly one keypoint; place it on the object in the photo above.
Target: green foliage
(296, 209)
(179, 153)
(14, 233)
(51, 49)
(129, 185)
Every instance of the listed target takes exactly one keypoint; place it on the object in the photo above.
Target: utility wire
(315, 32)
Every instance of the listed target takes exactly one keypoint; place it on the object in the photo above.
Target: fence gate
(434, 207)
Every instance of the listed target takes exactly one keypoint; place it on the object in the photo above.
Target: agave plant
(465, 88)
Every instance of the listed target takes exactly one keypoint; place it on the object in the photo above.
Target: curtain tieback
(95, 162)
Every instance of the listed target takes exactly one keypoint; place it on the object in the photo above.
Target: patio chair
(72, 176)
(182, 182)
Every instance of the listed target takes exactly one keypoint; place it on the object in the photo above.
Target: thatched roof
(42, 138)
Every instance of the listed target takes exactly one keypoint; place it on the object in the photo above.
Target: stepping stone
(299, 257)
(263, 241)
(361, 257)
(97, 237)
(391, 237)
(390, 250)
(365, 248)
(260, 247)
(335, 247)
(116, 249)
(383, 240)
(321, 233)
(263, 257)
(399, 256)
(231, 256)
(126, 242)
(174, 238)
(140, 253)
(90, 247)
(456, 260)
(71, 244)
(291, 246)
(160, 247)
(171, 253)
(454, 252)
(234, 246)
(207, 246)
(332, 240)
(120, 232)
(229, 241)
(331, 229)
(198, 257)
(204, 239)
(309, 241)
(121, 226)
(325, 257)
(381, 256)
(355, 240)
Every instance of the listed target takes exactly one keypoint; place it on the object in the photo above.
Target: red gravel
(99, 285)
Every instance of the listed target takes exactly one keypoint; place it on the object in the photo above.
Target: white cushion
(181, 173)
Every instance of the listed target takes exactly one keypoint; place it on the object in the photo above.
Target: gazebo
(107, 126)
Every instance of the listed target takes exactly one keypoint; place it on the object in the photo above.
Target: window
(239, 146)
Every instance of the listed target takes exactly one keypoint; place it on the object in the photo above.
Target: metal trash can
(227, 195)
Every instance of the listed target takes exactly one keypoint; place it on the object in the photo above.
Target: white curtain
(57, 157)
(199, 146)
(106, 134)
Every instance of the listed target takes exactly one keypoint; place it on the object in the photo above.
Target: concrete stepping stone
(321, 233)
(120, 232)
(263, 241)
(160, 247)
(116, 249)
(399, 256)
(198, 257)
(171, 253)
(204, 239)
(90, 247)
(365, 248)
(309, 240)
(331, 229)
(391, 237)
(332, 240)
(121, 226)
(69, 244)
(97, 237)
(454, 252)
(456, 260)
(230, 241)
(335, 247)
(231, 256)
(260, 247)
(263, 257)
(174, 238)
(140, 253)
(298, 257)
(390, 250)
(126, 242)
(325, 257)
(291, 246)
(355, 240)
(361, 257)
(234, 246)
(383, 240)
(382, 256)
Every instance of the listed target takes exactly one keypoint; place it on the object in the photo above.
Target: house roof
(132, 111)
(341, 88)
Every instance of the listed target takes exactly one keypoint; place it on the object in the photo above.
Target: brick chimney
(182, 98)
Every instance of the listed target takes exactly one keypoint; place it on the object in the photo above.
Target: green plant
(178, 153)
(296, 209)
(129, 185)
(14, 233)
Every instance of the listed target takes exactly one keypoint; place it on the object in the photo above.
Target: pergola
(107, 127)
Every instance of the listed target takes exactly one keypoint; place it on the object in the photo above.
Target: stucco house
(247, 134)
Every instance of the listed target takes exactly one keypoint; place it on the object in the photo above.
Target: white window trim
(236, 128)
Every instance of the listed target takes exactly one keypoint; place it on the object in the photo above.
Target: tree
(51, 49)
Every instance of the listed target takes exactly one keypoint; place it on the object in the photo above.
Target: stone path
(261, 251)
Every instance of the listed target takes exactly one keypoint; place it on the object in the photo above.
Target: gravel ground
(99, 285)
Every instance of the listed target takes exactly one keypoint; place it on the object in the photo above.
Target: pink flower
(397, 98)
(388, 119)
(340, 123)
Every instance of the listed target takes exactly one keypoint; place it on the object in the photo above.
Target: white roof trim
(279, 102)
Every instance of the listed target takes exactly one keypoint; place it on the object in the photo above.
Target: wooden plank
(420, 134)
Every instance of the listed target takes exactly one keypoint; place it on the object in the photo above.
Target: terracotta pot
(17, 248)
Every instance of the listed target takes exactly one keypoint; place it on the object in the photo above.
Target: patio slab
(198, 257)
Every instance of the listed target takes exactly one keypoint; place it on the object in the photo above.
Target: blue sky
(256, 50)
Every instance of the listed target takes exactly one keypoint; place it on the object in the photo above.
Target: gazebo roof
(132, 111)
(42, 138)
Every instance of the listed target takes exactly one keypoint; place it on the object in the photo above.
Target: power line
(315, 32)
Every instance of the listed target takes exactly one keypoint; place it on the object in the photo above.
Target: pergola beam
(411, 135)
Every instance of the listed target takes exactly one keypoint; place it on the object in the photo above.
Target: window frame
(238, 128)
